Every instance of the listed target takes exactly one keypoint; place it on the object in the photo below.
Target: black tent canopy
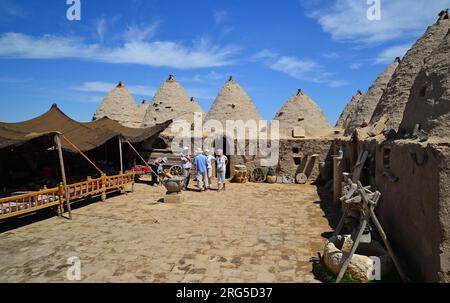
(86, 136)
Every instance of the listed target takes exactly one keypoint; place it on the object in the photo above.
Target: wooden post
(103, 188)
(61, 199)
(120, 155)
(63, 173)
(348, 258)
(387, 243)
(337, 179)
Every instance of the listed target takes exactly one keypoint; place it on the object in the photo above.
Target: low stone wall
(294, 156)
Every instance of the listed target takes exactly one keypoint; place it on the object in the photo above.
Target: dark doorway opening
(159, 144)
(223, 144)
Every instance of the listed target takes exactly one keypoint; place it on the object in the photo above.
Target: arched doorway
(224, 144)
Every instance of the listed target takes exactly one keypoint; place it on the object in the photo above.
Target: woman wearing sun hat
(221, 162)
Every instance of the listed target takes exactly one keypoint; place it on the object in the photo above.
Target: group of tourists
(202, 164)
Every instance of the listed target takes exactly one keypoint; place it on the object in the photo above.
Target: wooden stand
(366, 201)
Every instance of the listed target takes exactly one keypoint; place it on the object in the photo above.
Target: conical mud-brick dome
(171, 102)
(196, 107)
(233, 103)
(142, 109)
(120, 106)
(429, 102)
(392, 103)
(300, 112)
(348, 114)
(360, 110)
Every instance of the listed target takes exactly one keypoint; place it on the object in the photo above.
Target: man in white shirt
(186, 164)
(210, 159)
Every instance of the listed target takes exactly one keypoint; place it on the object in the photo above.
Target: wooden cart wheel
(301, 178)
(258, 175)
(176, 170)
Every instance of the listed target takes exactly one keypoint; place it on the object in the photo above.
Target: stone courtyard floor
(250, 233)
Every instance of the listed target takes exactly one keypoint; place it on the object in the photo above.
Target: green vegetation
(322, 273)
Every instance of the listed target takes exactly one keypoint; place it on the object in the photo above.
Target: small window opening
(423, 91)
(387, 158)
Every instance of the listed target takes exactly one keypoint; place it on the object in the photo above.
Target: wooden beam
(63, 173)
(120, 155)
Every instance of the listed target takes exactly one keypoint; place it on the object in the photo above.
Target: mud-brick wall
(291, 151)
(414, 181)
(414, 209)
(444, 212)
(294, 155)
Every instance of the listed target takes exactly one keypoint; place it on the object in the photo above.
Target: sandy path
(250, 233)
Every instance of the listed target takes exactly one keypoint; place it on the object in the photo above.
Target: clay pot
(173, 185)
(271, 179)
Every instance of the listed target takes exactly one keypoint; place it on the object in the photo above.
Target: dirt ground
(250, 233)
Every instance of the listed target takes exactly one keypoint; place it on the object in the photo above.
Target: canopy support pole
(120, 155)
(63, 173)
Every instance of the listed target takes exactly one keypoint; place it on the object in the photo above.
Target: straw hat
(198, 151)
(185, 150)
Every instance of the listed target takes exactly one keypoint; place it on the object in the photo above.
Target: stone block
(298, 132)
(173, 198)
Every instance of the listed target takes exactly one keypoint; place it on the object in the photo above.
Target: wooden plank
(352, 251)
(359, 166)
(120, 155)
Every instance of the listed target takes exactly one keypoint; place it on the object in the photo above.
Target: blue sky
(328, 48)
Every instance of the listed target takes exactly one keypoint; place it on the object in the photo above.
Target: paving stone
(250, 233)
(265, 278)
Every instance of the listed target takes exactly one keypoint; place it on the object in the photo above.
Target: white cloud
(388, 55)
(156, 53)
(331, 55)
(293, 66)
(347, 19)
(337, 83)
(10, 9)
(220, 16)
(301, 69)
(140, 33)
(355, 66)
(265, 54)
(95, 99)
(204, 78)
(201, 93)
(101, 28)
(97, 87)
(106, 87)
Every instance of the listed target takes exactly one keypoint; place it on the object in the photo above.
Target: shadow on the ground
(47, 213)
(331, 213)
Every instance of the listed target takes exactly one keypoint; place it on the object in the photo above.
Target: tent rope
(81, 153)
(139, 155)
(92, 163)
